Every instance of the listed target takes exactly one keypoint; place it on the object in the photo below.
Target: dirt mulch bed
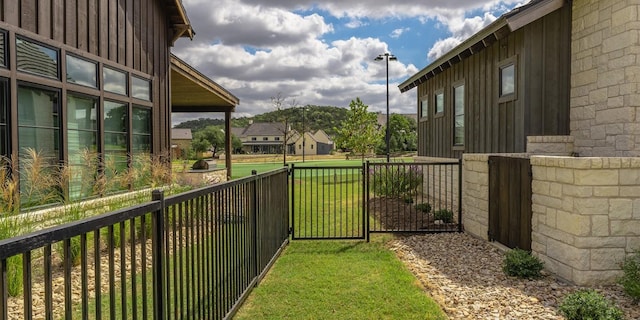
(392, 214)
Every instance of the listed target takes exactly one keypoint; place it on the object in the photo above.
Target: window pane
(115, 116)
(35, 58)
(141, 120)
(81, 112)
(424, 108)
(37, 108)
(3, 54)
(507, 80)
(140, 88)
(141, 144)
(115, 81)
(83, 72)
(439, 102)
(458, 135)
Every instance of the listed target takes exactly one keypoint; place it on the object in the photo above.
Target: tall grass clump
(401, 182)
(10, 224)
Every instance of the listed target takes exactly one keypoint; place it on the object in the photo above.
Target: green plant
(522, 264)
(445, 215)
(398, 181)
(424, 207)
(589, 305)
(630, 280)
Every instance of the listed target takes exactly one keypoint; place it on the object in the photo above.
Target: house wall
(541, 51)
(130, 36)
(605, 78)
(585, 212)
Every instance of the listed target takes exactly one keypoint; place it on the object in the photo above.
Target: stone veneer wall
(605, 77)
(440, 183)
(550, 145)
(586, 215)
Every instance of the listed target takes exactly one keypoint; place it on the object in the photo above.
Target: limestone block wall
(440, 183)
(475, 194)
(585, 215)
(605, 77)
(550, 145)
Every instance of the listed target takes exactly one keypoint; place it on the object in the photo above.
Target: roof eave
(182, 27)
(495, 31)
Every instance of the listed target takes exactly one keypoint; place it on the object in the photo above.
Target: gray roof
(265, 129)
(181, 134)
(238, 132)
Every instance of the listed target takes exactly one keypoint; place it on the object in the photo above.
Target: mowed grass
(339, 280)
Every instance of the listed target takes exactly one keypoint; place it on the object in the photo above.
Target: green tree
(403, 135)
(236, 144)
(214, 135)
(359, 132)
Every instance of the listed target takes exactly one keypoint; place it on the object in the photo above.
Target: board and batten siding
(130, 35)
(541, 107)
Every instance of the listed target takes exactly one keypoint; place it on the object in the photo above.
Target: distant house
(180, 142)
(318, 143)
(262, 137)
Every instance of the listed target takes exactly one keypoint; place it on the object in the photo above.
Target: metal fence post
(254, 208)
(460, 194)
(366, 199)
(158, 256)
(293, 202)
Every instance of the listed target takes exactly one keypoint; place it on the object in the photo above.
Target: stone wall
(585, 215)
(475, 194)
(440, 183)
(605, 77)
(550, 145)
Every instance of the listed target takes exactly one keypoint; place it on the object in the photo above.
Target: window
(38, 130)
(82, 72)
(265, 138)
(141, 130)
(507, 75)
(4, 126)
(37, 59)
(253, 139)
(116, 137)
(141, 88)
(311, 146)
(277, 139)
(114, 81)
(82, 144)
(3, 46)
(439, 102)
(424, 108)
(458, 117)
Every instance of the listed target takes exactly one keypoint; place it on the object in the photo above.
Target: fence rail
(189, 256)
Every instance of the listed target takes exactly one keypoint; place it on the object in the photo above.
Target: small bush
(424, 207)
(589, 304)
(630, 279)
(520, 263)
(445, 215)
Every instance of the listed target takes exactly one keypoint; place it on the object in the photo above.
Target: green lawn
(339, 280)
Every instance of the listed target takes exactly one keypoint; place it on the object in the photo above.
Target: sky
(322, 52)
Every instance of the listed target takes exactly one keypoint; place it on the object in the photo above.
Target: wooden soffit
(191, 91)
(497, 30)
(179, 21)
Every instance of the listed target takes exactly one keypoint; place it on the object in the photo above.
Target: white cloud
(258, 48)
(461, 29)
(398, 32)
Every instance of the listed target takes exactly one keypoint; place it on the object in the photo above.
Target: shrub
(396, 181)
(424, 207)
(630, 279)
(589, 304)
(445, 215)
(520, 263)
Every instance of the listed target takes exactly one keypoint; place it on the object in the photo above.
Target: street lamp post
(387, 56)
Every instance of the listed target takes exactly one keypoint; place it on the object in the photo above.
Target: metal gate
(350, 202)
(510, 201)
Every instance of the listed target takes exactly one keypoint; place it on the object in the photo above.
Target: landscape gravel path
(464, 275)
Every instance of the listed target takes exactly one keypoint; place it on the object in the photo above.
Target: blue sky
(321, 53)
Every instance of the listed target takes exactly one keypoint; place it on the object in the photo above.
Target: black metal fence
(414, 197)
(351, 202)
(194, 255)
(328, 202)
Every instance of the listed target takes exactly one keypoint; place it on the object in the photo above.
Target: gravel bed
(464, 275)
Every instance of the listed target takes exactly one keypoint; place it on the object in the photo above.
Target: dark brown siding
(542, 54)
(131, 35)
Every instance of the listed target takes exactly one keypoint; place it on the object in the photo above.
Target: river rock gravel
(464, 275)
